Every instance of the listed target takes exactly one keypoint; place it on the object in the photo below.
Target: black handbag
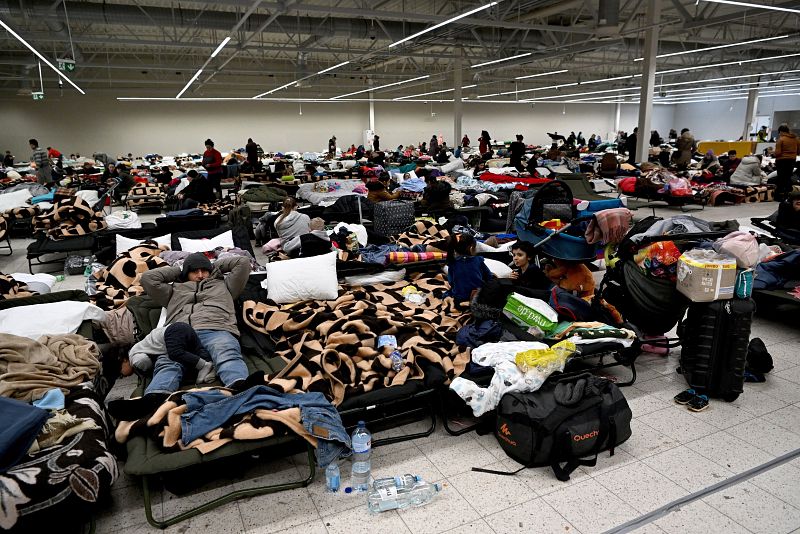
(562, 424)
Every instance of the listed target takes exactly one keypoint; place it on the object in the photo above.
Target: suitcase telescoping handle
(563, 229)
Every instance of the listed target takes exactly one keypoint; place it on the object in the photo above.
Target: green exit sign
(37, 95)
(66, 65)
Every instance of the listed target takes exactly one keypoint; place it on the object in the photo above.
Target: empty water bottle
(398, 481)
(398, 498)
(362, 449)
(397, 361)
(332, 477)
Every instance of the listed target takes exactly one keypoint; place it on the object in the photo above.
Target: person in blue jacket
(466, 272)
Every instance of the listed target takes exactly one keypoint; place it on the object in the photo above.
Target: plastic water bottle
(362, 449)
(398, 481)
(332, 477)
(394, 498)
(397, 361)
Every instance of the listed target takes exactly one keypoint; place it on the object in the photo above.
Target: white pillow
(15, 199)
(311, 278)
(224, 240)
(124, 244)
(89, 195)
(498, 268)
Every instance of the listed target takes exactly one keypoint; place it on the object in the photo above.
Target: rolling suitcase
(393, 216)
(714, 339)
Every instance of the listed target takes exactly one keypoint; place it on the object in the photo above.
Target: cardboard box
(704, 276)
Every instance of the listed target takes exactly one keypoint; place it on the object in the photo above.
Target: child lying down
(180, 343)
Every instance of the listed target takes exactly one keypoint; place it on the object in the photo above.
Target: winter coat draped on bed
(69, 217)
(330, 346)
(122, 278)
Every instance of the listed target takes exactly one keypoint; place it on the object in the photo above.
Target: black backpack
(562, 422)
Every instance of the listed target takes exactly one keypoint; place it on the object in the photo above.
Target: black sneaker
(685, 397)
(698, 404)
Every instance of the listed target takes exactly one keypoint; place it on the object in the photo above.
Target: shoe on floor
(698, 404)
(684, 397)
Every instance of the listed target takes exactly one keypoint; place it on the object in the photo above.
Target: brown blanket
(69, 217)
(122, 278)
(165, 426)
(29, 368)
(330, 346)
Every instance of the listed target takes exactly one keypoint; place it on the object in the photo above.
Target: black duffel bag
(562, 424)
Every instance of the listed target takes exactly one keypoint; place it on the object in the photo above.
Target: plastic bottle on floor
(398, 481)
(398, 498)
(332, 477)
(362, 449)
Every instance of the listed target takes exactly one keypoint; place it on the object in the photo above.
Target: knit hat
(194, 262)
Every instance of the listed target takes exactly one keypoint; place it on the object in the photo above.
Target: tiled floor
(672, 453)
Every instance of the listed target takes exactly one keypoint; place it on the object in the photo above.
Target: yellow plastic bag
(550, 358)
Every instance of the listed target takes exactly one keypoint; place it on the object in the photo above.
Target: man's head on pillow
(196, 267)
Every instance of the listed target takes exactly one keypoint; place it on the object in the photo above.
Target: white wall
(86, 125)
(89, 124)
(724, 119)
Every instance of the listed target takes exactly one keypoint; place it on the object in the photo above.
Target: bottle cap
(348, 489)
(362, 424)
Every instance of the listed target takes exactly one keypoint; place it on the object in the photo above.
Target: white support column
(750, 114)
(457, 106)
(616, 123)
(648, 79)
(371, 128)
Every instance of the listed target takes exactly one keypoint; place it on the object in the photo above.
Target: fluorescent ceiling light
(706, 49)
(284, 86)
(342, 64)
(754, 6)
(40, 56)
(526, 54)
(700, 67)
(221, 46)
(589, 82)
(541, 74)
(540, 88)
(381, 87)
(190, 82)
(445, 23)
(434, 92)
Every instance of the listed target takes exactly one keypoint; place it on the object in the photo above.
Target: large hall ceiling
(147, 48)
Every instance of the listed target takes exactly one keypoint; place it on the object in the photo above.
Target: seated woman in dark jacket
(378, 192)
(198, 191)
(436, 195)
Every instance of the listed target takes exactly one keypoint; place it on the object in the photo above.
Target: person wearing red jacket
(53, 153)
(212, 161)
